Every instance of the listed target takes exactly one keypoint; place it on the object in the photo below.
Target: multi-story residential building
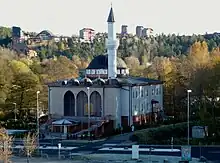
(87, 34)
(150, 31)
(124, 30)
(139, 30)
(143, 32)
(147, 32)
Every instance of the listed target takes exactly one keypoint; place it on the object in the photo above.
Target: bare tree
(5, 145)
(29, 144)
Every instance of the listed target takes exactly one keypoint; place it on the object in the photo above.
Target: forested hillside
(182, 62)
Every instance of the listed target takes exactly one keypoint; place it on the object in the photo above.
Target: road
(210, 152)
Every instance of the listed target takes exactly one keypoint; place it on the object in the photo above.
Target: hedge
(163, 134)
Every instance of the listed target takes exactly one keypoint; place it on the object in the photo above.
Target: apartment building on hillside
(87, 34)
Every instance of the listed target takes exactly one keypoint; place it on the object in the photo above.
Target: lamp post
(88, 96)
(15, 110)
(188, 100)
(38, 145)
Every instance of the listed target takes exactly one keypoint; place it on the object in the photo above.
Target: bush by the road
(163, 134)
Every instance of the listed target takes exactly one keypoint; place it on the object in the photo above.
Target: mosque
(107, 97)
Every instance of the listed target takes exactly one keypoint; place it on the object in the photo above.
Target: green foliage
(5, 32)
(145, 49)
(19, 67)
(5, 79)
(182, 62)
(21, 78)
(163, 134)
(24, 88)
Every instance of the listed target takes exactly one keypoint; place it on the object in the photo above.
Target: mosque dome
(101, 62)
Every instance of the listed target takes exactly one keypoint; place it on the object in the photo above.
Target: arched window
(69, 104)
(82, 100)
(95, 100)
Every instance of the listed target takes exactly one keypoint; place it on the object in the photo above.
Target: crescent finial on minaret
(111, 18)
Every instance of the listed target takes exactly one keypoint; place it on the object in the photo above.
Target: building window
(123, 71)
(136, 94)
(160, 90)
(133, 94)
(142, 93)
(135, 110)
(153, 91)
(145, 92)
(157, 91)
(142, 107)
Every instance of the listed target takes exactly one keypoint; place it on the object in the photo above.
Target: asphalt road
(210, 152)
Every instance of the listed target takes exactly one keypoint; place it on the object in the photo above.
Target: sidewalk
(83, 141)
(105, 158)
(122, 138)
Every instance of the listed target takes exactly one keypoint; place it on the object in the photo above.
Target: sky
(67, 17)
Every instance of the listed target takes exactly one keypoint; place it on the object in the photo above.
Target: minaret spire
(111, 17)
(112, 46)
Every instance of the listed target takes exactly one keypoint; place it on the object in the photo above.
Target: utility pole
(15, 110)
(188, 104)
(38, 126)
(88, 92)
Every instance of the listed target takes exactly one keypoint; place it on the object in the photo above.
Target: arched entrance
(96, 105)
(82, 101)
(69, 104)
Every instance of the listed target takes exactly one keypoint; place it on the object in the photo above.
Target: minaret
(112, 46)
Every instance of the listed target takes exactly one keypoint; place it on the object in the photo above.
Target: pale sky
(67, 17)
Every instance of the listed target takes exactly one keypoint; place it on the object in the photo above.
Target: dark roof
(123, 81)
(101, 62)
(138, 81)
(111, 18)
(46, 32)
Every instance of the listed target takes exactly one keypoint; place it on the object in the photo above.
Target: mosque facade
(107, 97)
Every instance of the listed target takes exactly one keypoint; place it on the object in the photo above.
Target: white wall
(142, 96)
(112, 104)
(125, 101)
(56, 101)
(157, 94)
(116, 99)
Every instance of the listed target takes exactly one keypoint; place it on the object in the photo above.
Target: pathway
(105, 158)
(118, 139)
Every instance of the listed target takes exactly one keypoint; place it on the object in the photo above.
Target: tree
(5, 145)
(61, 46)
(76, 60)
(23, 92)
(5, 79)
(5, 32)
(199, 54)
(30, 145)
(60, 68)
(162, 66)
(211, 91)
(19, 67)
(132, 62)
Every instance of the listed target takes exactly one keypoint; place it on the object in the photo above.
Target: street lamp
(15, 110)
(38, 122)
(88, 96)
(188, 100)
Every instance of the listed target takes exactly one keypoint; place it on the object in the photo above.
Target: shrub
(162, 134)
